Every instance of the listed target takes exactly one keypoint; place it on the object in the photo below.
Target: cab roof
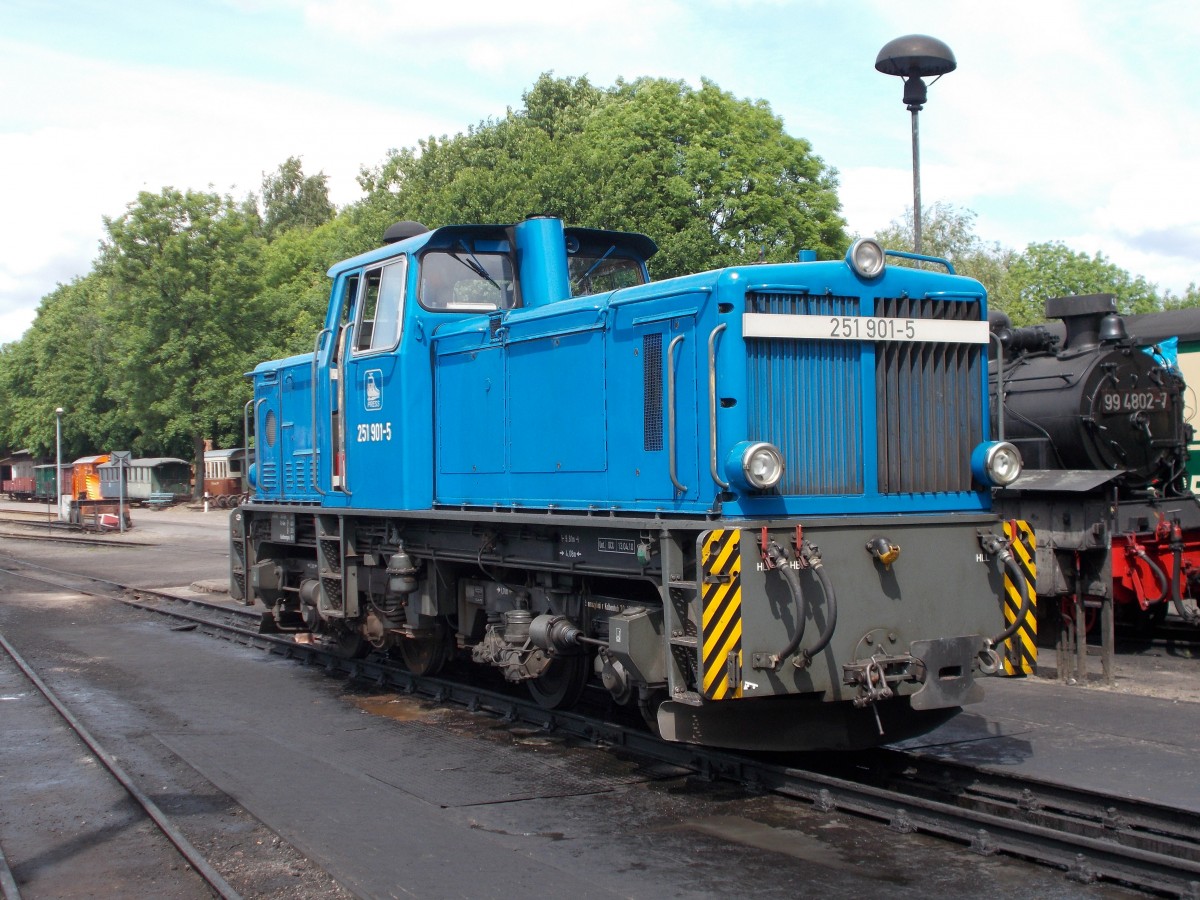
(596, 240)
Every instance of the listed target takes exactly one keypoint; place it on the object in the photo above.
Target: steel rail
(173, 834)
(8, 884)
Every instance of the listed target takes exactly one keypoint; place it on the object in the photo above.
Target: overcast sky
(1071, 121)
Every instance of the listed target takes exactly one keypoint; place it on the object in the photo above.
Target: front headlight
(996, 463)
(866, 258)
(756, 466)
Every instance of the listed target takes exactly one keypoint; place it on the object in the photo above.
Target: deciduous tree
(1053, 269)
(713, 179)
(292, 200)
(185, 274)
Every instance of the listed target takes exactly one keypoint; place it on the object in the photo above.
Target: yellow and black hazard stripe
(721, 613)
(1020, 650)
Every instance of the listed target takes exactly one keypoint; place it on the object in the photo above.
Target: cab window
(598, 274)
(381, 308)
(463, 280)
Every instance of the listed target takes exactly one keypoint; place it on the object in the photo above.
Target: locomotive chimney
(1082, 317)
(542, 260)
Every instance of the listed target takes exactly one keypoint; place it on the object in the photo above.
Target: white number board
(863, 328)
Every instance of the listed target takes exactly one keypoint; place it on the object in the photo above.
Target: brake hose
(1014, 571)
(1159, 575)
(1191, 617)
(792, 578)
(813, 556)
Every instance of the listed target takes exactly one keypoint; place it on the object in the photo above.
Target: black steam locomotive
(1099, 421)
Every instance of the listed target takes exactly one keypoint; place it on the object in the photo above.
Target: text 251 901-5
(374, 431)
(872, 329)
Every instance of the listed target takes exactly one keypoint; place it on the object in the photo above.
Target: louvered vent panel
(929, 410)
(806, 398)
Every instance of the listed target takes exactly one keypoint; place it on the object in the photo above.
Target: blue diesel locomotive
(753, 502)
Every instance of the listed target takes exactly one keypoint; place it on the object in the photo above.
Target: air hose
(1191, 617)
(1160, 576)
(813, 556)
(1010, 566)
(780, 561)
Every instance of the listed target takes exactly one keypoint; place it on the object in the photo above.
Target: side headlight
(754, 465)
(866, 258)
(996, 463)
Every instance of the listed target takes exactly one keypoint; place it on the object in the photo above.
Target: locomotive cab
(368, 384)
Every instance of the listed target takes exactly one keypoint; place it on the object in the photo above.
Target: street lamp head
(912, 58)
(59, 411)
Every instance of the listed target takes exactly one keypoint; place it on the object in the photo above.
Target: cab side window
(345, 314)
(381, 308)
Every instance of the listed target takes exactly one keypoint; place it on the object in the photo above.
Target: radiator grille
(806, 399)
(929, 415)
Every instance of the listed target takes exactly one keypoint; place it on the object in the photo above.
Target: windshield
(597, 274)
(460, 279)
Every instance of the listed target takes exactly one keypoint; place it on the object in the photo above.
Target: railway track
(1091, 837)
(8, 885)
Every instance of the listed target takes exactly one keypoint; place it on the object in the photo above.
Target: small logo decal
(374, 396)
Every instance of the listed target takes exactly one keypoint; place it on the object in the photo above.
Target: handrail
(259, 454)
(712, 405)
(999, 385)
(349, 332)
(671, 414)
(246, 425)
(316, 465)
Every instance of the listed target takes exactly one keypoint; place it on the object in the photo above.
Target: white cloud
(475, 38)
(95, 134)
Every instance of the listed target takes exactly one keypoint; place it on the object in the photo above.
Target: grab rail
(259, 454)
(316, 454)
(342, 410)
(246, 424)
(712, 405)
(671, 414)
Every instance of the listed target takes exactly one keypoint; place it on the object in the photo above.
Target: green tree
(70, 341)
(185, 273)
(713, 179)
(295, 289)
(1190, 298)
(17, 375)
(1052, 269)
(949, 232)
(291, 200)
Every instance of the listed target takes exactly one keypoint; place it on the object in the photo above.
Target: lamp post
(913, 58)
(58, 485)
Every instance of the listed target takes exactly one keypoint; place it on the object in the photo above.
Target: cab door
(332, 348)
(269, 444)
(371, 401)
